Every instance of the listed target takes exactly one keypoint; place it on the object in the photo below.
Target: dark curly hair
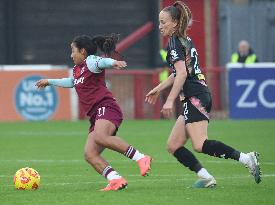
(107, 44)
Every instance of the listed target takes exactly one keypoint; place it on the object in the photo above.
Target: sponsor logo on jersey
(174, 54)
(79, 80)
(34, 104)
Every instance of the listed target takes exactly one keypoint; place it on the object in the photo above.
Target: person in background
(164, 74)
(244, 54)
(99, 105)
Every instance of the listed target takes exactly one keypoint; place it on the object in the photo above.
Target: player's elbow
(182, 74)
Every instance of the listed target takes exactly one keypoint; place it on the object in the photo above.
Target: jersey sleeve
(96, 64)
(63, 82)
(176, 50)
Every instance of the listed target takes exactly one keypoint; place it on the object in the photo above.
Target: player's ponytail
(184, 18)
(182, 14)
(107, 44)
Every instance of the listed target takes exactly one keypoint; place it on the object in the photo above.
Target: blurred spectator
(244, 54)
(164, 74)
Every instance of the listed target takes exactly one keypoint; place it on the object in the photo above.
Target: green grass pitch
(55, 150)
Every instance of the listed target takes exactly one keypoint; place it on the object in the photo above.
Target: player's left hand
(152, 96)
(119, 65)
(167, 109)
(42, 83)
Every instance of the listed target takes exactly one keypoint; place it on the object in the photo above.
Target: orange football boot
(145, 165)
(116, 184)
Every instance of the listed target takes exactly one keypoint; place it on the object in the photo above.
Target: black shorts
(197, 108)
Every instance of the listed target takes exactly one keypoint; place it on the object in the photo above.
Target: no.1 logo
(35, 104)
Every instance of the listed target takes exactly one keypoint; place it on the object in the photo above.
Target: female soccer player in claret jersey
(100, 106)
(188, 81)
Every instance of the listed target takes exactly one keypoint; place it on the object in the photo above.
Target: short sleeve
(92, 63)
(176, 50)
(96, 64)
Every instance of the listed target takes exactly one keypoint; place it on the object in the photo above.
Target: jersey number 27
(194, 55)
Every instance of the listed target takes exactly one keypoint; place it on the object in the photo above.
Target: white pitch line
(44, 134)
(149, 180)
(151, 176)
(85, 175)
(44, 160)
(118, 161)
(50, 176)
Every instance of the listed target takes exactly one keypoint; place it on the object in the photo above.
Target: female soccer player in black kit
(188, 81)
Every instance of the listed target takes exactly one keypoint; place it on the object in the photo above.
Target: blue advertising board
(251, 93)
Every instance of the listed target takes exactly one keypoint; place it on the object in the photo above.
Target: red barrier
(214, 32)
(213, 76)
(129, 87)
(134, 37)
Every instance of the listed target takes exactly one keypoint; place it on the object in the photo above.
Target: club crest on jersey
(77, 72)
(174, 54)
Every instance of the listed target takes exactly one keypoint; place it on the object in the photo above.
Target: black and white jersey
(183, 49)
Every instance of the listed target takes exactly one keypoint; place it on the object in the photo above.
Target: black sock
(218, 149)
(185, 157)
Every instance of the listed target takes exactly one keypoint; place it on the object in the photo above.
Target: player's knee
(100, 139)
(88, 157)
(171, 147)
(197, 148)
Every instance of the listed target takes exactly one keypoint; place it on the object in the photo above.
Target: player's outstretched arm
(152, 96)
(119, 64)
(96, 63)
(63, 82)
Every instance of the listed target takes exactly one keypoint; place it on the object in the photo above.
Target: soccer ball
(26, 179)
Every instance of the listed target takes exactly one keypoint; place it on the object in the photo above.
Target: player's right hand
(152, 96)
(42, 83)
(119, 65)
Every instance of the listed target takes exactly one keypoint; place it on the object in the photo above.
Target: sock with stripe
(109, 173)
(133, 154)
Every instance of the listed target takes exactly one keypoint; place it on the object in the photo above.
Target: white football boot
(253, 166)
(205, 183)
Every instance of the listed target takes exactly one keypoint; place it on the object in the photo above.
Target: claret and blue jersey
(89, 81)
